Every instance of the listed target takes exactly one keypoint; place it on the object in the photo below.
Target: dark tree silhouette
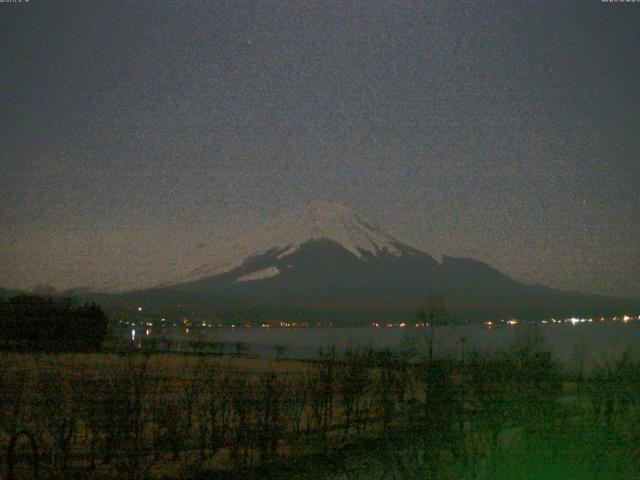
(40, 323)
(432, 313)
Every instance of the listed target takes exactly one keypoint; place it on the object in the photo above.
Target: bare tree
(279, 350)
(431, 314)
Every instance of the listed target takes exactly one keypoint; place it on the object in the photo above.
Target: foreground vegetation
(383, 414)
(34, 323)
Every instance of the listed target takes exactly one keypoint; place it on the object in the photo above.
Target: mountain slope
(288, 231)
(325, 258)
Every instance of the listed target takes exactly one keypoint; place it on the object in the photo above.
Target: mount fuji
(325, 258)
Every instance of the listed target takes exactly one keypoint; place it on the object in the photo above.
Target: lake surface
(592, 343)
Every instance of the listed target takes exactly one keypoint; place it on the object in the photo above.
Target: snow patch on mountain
(288, 251)
(287, 232)
(259, 275)
(321, 220)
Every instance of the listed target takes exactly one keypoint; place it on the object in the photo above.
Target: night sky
(132, 132)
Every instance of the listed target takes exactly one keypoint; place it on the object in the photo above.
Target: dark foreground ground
(516, 415)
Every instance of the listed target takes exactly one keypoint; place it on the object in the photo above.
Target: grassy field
(371, 414)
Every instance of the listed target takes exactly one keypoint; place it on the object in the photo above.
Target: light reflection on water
(569, 344)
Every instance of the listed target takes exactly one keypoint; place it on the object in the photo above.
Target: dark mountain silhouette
(328, 260)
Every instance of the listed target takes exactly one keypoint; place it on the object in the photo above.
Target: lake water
(592, 343)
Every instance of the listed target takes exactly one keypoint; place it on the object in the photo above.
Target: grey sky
(504, 131)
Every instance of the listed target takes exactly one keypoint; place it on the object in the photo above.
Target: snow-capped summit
(322, 220)
(288, 231)
(325, 258)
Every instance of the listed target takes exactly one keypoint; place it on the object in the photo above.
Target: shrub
(37, 323)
